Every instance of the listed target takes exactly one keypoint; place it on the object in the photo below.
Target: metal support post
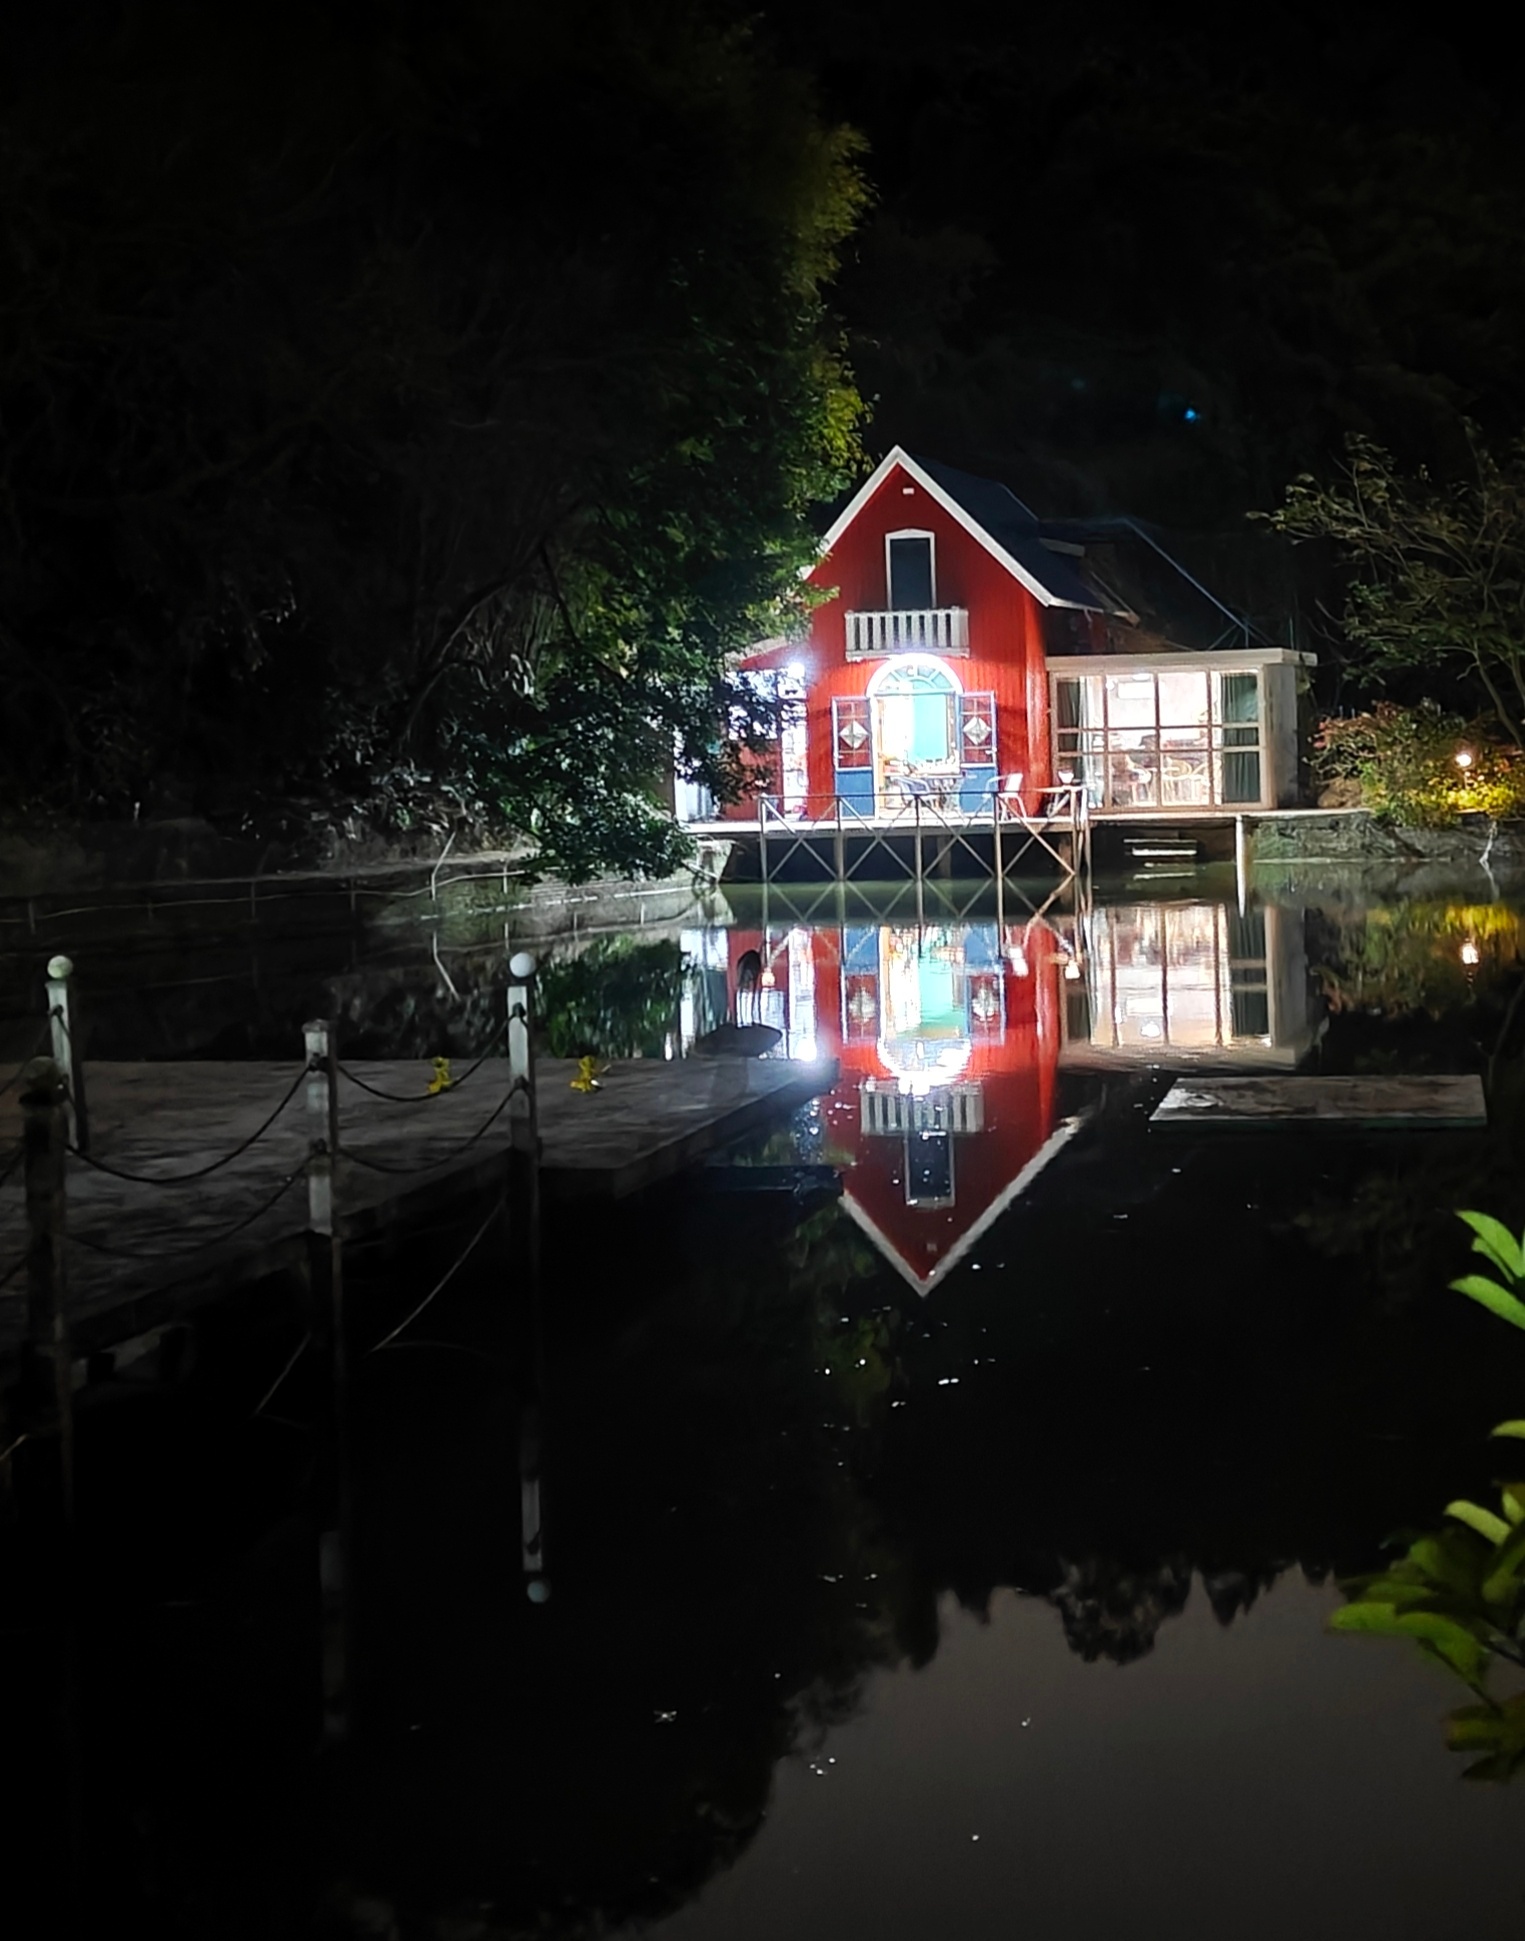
(524, 1238)
(839, 843)
(44, 1135)
(63, 1022)
(327, 1256)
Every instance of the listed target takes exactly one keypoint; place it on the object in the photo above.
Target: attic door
(909, 561)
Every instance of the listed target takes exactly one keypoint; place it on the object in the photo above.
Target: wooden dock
(143, 1252)
(1421, 1103)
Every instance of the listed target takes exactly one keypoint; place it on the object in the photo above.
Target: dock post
(337, 1544)
(67, 1055)
(524, 1239)
(45, 1140)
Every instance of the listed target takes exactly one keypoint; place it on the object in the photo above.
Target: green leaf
(1450, 1558)
(1498, 1300)
(1472, 1727)
(1515, 1428)
(1495, 1242)
(1440, 1637)
(1401, 1593)
(1502, 1584)
(1379, 1619)
(1486, 1524)
(1514, 1503)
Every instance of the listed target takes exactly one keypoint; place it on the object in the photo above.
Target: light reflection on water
(950, 1037)
(957, 1508)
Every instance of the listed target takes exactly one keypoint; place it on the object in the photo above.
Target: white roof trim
(1053, 1145)
(897, 456)
(1229, 659)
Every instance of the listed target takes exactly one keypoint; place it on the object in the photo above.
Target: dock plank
(140, 1254)
(1422, 1102)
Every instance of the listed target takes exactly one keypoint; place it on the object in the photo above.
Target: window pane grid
(1132, 741)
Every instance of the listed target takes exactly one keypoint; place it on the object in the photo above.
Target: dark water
(953, 1556)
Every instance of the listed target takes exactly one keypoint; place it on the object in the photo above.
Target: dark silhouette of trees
(406, 396)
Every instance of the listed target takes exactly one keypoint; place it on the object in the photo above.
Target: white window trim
(910, 532)
(903, 663)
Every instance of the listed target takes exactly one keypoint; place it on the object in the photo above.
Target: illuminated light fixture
(767, 980)
(1149, 1029)
(1072, 971)
(1463, 758)
(796, 670)
(1067, 776)
(1470, 954)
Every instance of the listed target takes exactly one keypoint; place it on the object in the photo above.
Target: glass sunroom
(1182, 731)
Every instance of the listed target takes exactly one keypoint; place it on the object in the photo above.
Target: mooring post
(336, 1553)
(45, 1143)
(524, 1242)
(64, 1028)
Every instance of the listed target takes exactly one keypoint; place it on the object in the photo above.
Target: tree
(405, 399)
(1437, 568)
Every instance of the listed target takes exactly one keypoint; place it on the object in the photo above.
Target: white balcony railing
(946, 1108)
(913, 630)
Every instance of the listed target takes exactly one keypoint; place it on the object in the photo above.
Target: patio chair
(1007, 790)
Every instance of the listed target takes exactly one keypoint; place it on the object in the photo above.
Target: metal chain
(422, 1098)
(40, 1040)
(445, 1279)
(201, 1172)
(199, 1246)
(429, 1165)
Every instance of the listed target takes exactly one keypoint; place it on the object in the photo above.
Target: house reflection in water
(951, 1037)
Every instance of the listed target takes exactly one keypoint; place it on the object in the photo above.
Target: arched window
(915, 703)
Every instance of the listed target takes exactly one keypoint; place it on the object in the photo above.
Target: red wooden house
(967, 648)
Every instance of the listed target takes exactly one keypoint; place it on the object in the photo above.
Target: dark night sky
(1130, 256)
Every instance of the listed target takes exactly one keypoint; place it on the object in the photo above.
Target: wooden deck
(1420, 1103)
(140, 1255)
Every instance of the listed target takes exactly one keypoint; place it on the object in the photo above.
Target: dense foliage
(406, 399)
(1421, 767)
(1435, 586)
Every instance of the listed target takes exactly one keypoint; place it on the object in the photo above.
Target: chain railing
(53, 1125)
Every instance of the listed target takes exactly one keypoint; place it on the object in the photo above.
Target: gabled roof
(992, 514)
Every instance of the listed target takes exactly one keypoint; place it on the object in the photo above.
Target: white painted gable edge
(899, 456)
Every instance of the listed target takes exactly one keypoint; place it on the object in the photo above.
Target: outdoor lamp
(1464, 758)
(1469, 953)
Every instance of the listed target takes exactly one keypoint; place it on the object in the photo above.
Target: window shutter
(851, 737)
(976, 731)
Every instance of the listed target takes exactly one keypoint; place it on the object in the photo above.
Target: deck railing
(1015, 824)
(908, 630)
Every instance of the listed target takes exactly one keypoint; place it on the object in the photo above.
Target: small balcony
(912, 630)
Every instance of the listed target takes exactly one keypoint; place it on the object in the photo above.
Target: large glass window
(1186, 975)
(1141, 738)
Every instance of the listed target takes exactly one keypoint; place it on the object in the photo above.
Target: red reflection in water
(948, 1037)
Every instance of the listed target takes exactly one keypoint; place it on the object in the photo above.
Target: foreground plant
(1459, 1594)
